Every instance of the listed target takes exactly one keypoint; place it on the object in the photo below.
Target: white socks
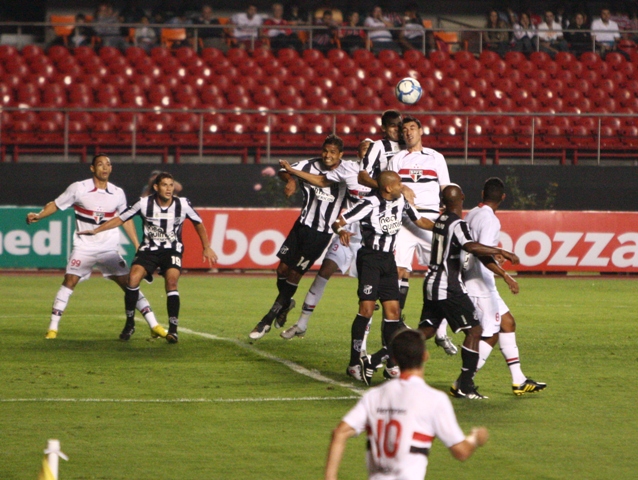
(59, 305)
(509, 349)
(442, 330)
(315, 292)
(484, 351)
(145, 309)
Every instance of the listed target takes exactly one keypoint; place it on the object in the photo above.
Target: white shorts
(346, 257)
(110, 263)
(409, 239)
(502, 308)
(488, 312)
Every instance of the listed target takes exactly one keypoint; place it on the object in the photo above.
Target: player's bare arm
(491, 264)
(365, 179)
(409, 195)
(340, 436)
(313, 179)
(339, 229)
(480, 250)
(49, 209)
(129, 228)
(112, 223)
(424, 223)
(208, 253)
(291, 183)
(464, 450)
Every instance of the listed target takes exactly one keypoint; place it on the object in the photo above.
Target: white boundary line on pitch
(315, 375)
(175, 400)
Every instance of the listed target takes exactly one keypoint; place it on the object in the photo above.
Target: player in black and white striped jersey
(376, 158)
(338, 256)
(163, 215)
(380, 217)
(444, 293)
(310, 234)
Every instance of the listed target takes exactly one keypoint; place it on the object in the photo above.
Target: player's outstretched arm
(313, 179)
(495, 268)
(291, 184)
(129, 228)
(340, 436)
(208, 254)
(49, 209)
(112, 223)
(424, 223)
(365, 179)
(464, 450)
(480, 250)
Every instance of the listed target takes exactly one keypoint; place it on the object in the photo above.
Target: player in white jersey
(95, 201)
(163, 216)
(425, 172)
(497, 322)
(338, 257)
(402, 418)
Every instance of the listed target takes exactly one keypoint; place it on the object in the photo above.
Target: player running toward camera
(380, 218)
(163, 215)
(339, 257)
(310, 234)
(445, 295)
(497, 321)
(401, 419)
(95, 201)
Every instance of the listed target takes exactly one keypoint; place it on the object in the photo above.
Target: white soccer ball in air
(408, 91)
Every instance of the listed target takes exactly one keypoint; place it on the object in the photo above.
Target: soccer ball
(408, 91)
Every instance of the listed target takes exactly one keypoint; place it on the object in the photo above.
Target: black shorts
(378, 278)
(302, 247)
(459, 312)
(162, 259)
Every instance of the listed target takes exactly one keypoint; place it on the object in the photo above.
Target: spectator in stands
(351, 35)
(179, 19)
(496, 37)
(323, 38)
(106, 27)
(82, 35)
(145, 36)
(606, 32)
(524, 38)
(210, 37)
(379, 35)
(280, 37)
(579, 38)
(246, 31)
(550, 34)
(294, 16)
(413, 34)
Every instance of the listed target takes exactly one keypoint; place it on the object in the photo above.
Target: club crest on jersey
(390, 224)
(416, 174)
(98, 217)
(283, 250)
(367, 289)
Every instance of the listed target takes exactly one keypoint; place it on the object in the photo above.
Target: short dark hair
(493, 189)
(408, 347)
(161, 176)
(388, 116)
(410, 118)
(99, 155)
(335, 140)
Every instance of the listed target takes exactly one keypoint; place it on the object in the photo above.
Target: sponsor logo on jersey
(155, 233)
(390, 224)
(323, 196)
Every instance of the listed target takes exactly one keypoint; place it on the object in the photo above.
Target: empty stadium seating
(43, 94)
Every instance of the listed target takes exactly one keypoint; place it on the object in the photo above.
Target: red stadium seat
(488, 57)
(414, 58)
(438, 58)
(540, 59)
(615, 60)
(462, 57)
(591, 60)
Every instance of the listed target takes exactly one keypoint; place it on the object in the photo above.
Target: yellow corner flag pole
(50, 462)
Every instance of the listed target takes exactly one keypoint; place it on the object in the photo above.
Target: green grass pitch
(215, 406)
